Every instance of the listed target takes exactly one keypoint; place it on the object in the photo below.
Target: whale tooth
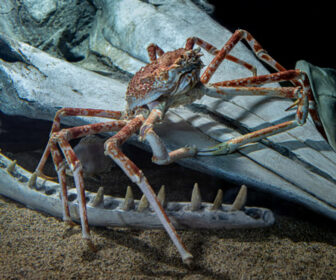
(11, 166)
(196, 199)
(129, 200)
(218, 200)
(32, 180)
(99, 198)
(162, 196)
(240, 200)
(143, 204)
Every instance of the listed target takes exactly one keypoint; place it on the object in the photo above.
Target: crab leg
(135, 174)
(301, 94)
(236, 87)
(73, 112)
(60, 168)
(285, 92)
(160, 153)
(62, 138)
(230, 44)
(77, 171)
(245, 86)
(287, 75)
(154, 51)
(214, 51)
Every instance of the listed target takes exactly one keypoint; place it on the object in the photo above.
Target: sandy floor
(37, 246)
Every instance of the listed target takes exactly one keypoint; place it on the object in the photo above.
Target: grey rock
(40, 10)
(90, 152)
(35, 84)
(59, 27)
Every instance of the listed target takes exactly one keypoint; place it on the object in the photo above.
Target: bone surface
(98, 200)
(45, 197)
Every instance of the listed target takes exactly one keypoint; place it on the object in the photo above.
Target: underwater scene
(153, 140)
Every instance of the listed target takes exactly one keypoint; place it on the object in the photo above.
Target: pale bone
(143, 204)
(218, 200)
(11, 167)
(32, 180)
(161, 196)
(29, 88)
(98, 200)
(240, 200)
(196, 200)
(45, 197)
(129, 200)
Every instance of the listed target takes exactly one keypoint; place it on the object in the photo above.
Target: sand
(36, 246)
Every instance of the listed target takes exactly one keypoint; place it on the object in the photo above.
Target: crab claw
(220, 149)
(143, 131)
(296, 102)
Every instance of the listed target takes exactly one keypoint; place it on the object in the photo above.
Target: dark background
(288, 33)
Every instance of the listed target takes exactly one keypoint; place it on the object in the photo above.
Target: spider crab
(170, 79)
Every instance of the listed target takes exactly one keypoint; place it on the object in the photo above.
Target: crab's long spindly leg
(214, 51)
(237, 36)
(112, 148)
(60, 168)
(73, 112)
(240, 86)
(154, 51)
(62, 138)
(287, 75)
(160, 153)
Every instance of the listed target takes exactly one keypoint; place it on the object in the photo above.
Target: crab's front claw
(164, 158)
(144, 130)
(220, 149)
